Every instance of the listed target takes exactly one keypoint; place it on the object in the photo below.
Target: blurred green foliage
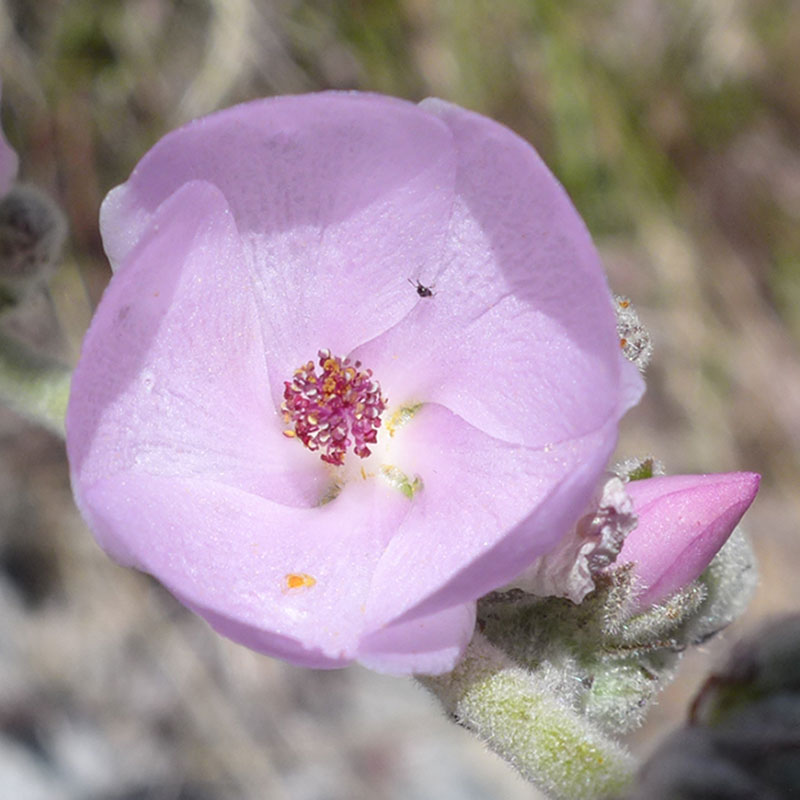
(626, 100)
(675, 127)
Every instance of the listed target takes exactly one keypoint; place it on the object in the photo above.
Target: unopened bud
(683, 521)
(634, 338)
(637, 469)
(32, 231)
(8, 165)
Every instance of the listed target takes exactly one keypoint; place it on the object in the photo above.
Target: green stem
(520, 717)
(32, 386)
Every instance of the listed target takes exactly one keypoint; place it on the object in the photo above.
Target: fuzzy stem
(521, 719)
(32, 386)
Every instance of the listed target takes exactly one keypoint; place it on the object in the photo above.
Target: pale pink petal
(428, 645)
(8, 164)
(245, 242)
(339, 199)
(486, 510)
(172, 379)
(520, 331)
(683, 522)
(227, 554)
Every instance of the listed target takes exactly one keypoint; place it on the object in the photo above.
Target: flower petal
(683, 522)
(339, 199)
(245, 242)
(428, 645)
(521, 330)
(172, 378)
(290, 582)
(487, 509)
(8, 164)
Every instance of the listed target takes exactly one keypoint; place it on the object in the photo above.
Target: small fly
(422, 291)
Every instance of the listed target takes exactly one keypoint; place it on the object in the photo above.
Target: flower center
(331, 411)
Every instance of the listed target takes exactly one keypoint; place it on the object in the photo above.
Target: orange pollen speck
(289, 433)
(624, 303)
(623, 342)
(297, 580)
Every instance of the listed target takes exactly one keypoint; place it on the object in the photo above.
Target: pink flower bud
(683, 522)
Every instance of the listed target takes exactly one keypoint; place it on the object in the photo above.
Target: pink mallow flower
(683, 520)
(8, 164)
(357, 366)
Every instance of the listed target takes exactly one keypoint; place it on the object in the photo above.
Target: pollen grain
(299, 580)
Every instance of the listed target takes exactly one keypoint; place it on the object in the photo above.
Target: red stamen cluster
(334, 410)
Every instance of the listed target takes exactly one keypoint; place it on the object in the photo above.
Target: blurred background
(675, 127)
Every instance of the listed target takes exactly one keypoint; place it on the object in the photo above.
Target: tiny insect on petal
(422, 291)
